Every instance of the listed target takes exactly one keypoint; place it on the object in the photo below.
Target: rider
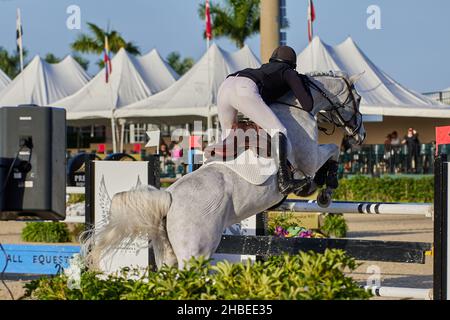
(250, 91)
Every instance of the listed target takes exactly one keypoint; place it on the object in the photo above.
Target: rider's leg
(226, 112)
(248, 101)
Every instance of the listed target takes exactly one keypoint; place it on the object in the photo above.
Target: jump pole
(398, 292)
(422, 209)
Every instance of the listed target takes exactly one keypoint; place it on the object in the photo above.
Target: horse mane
(331, 73)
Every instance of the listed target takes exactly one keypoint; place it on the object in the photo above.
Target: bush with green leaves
(46, 232)
(284, 220)
(76, 198)
(303, 276)
(386, 189)
(334, 225)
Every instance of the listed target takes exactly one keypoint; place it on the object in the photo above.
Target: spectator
(395, 150)
(163, 152)
(164, 156)
(388, 143)
(388, 153)
(395, 140)
(176, 153)
(411, 140)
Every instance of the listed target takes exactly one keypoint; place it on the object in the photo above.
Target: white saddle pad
(254, 169)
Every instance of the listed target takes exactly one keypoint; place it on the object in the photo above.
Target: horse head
(337, 101)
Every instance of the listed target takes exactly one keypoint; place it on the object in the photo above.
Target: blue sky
(413, 45)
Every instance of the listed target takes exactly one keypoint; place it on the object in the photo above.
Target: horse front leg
(327, 174)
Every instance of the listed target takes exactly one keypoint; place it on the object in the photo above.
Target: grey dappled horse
(189, 217)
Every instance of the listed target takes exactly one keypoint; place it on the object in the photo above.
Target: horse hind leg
(162, 249)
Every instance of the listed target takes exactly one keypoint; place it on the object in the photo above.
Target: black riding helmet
(285, 54)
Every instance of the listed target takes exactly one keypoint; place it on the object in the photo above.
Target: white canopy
(4, 80)
(43, 83)
(196, 91)
(132, 79)
(381, 95)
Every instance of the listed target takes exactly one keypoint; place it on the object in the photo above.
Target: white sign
(153, 139)
(111, 177)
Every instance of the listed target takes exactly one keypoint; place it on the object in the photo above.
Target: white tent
(4, 80)
(195, 93)
(381, 95)
(132, 79)
(43, 83)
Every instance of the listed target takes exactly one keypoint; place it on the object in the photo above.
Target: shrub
(75, 230)
(46, 232)
(76, 198)
(303, 276)
(334, 225)
(386, 189)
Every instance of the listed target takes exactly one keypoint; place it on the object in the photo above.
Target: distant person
(164, 155)
(395, 150)
(411, 140)
(388, 152)
(163, 150)
(388, 143)
(395, 140)
(176, 153)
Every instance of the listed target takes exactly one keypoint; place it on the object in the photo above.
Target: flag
(19, 37)
(107, 60)
(208, 21)
(311, 18)
(442, 136)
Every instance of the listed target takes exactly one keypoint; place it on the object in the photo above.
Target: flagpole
(310, 31)
(208, 37)
(19, 29)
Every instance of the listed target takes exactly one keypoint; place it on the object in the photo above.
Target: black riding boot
(284, 174)
(286, 183)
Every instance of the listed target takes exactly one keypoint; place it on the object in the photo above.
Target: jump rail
(371, 250)
(425, 209)
(399, 292)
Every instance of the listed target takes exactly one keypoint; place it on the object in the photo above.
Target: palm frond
(86, 44)
(97, 31)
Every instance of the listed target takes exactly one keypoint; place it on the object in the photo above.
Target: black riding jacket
(275, 79)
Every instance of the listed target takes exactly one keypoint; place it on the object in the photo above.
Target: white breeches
(242, 94)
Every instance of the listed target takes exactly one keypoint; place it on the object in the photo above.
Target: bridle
(334, 115)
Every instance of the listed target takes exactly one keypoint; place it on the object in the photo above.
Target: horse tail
(133, 214)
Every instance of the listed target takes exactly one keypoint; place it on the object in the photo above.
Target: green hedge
(46, 232)
(386, 189)
(304, 276)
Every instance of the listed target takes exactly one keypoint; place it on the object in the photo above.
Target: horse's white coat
(189, 217)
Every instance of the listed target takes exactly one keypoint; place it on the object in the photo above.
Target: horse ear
(354, 78)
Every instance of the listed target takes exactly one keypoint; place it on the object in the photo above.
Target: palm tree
(10, 62)
(95, 43)
(237, 20)
(180, 66)
(51, 58)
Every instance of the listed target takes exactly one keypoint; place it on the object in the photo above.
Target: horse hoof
(324, 199)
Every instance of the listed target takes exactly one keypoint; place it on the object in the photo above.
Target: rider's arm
(303, 95)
